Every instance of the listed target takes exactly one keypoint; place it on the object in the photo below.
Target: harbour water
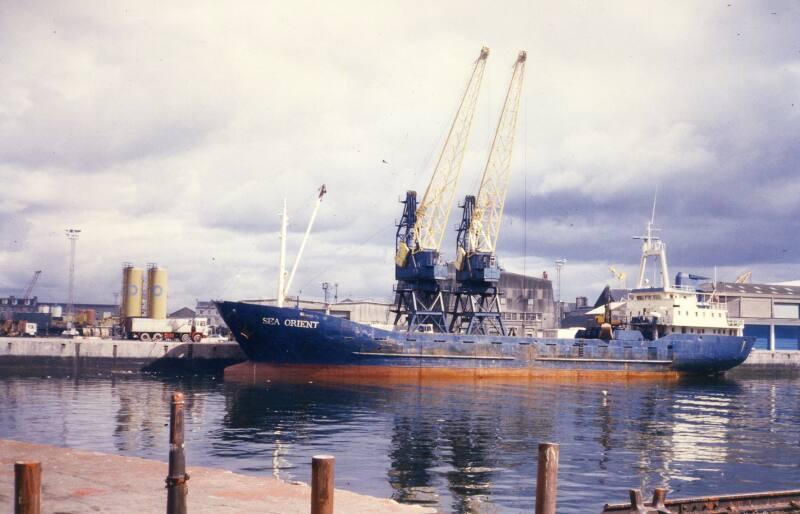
(460, 447)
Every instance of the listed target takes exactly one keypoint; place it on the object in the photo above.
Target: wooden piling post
(177, 477)
(27, 488)
(322, 484)
(659, 497)
(547, 478)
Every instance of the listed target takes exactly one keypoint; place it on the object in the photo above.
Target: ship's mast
(282, 262)
(652, 246)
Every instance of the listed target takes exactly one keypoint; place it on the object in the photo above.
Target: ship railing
(685, 289)
(712, 306)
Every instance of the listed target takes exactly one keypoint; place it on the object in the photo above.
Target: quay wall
(766, 362)
(113, 355)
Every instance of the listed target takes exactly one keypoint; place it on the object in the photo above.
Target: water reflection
(462, 448)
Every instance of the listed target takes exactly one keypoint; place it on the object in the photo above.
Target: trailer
(170, 329)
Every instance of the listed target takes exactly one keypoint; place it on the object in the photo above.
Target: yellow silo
(157, 293)
(132, 299)
(123, 308)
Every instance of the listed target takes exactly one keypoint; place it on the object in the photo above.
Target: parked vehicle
(170, 329)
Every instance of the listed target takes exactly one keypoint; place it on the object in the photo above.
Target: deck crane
(31, 284)
(476, 307)
(420, 300)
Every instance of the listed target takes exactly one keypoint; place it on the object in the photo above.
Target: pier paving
(76, 481)
(115, 355)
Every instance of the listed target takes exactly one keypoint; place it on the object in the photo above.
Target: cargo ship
(449, 323)
(669, 329)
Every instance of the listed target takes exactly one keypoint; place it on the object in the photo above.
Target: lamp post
(72, 236)
(560, 263)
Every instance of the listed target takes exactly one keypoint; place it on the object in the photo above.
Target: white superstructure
(673, 308)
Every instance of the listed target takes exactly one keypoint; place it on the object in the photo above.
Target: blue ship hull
(300, 340)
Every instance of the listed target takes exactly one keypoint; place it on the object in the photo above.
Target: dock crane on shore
(476, 308)
(419, 295)
(31, 284)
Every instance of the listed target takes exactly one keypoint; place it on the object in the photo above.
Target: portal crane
(476, 308)
(419, 295)
(31, 284)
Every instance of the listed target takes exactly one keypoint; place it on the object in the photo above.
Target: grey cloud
(174, 136)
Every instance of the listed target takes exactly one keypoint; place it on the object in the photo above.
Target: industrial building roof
(183, 312)
(509, 279)
(733, 288)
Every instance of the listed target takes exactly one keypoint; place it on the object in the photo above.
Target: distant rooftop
(753, 289)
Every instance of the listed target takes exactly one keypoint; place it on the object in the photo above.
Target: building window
(785, 310)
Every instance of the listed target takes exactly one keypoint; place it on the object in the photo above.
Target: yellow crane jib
(430, 218)
(487, 214)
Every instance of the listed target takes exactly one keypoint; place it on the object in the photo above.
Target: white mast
(317, 203)
(282, 265)
(653, 247)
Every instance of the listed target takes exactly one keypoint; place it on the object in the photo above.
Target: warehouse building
(527, 304)
(771, 312)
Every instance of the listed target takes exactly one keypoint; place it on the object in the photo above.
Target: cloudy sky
(171, 134)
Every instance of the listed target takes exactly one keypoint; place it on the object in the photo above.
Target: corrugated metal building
(771, 312)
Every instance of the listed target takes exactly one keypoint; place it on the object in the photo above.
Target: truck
(170, 329)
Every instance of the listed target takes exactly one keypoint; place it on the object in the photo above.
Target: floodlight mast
(72, 235)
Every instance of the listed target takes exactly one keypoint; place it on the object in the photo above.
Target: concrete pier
(769, 363)
(115, 355)
(77, 482)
